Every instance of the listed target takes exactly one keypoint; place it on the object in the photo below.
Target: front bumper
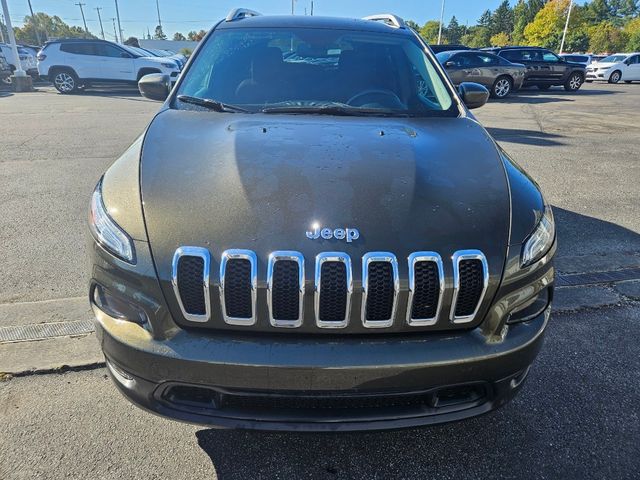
(598, 75)
(318, 384)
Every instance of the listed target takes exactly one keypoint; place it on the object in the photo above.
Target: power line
(97, 9)
(82, 13)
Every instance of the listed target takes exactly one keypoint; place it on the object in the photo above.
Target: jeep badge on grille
(348, 234)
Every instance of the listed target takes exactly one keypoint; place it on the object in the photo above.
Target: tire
(544, 87)
(65, 81)
(146, 71)
(502, 87)
(574, 82)
(7, 80)
(615, 77)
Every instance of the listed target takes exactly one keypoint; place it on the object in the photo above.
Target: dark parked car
(5, 69)
(498, 74)
(448, 47)
(326, 240)
(545, 69)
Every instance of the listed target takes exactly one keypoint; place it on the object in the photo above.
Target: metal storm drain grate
(42, 331)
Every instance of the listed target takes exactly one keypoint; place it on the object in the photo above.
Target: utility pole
(312, 8)
(441, 20)
(82, 12)
(566, 26)
(119, 27)
(35, 23)
(115, 32)
(293, 3)
(158, 9)
(97, 9)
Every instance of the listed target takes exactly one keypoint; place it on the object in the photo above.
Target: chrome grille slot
(380, 286)
(426, 288)
(470, 281)
(190, 279)
(238, 284)
(285, 288)
(334, 286)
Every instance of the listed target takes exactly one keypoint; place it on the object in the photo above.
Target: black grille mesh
(379, 291)
(285, 292)
(190, 275)
(237, 288)
(333, 291)
(471, 286)
(426, 290)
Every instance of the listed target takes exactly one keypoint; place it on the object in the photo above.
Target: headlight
(169, 65)
(540, 241)
(107, 232)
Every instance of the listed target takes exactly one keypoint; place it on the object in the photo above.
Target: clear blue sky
(185, 15)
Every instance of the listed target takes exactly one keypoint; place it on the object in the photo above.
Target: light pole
(97, 9)
(566, 26)
(441, 19)
(22, 83)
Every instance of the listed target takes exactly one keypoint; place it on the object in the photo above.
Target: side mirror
(450, 64)
(473, 95)
(155, 86)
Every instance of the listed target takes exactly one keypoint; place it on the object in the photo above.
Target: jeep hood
(260, 181)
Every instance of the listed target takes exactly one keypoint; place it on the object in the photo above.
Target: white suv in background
(27, 61)
(616, 67)
(79, 63)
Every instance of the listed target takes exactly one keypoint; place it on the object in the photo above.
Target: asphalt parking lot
(577, 417)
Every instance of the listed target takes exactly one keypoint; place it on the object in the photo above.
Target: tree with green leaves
(454, 31)
(132, 42)
(477, 37)
(48, 27)
(500, 40)
(178, 37)
(413, 25)
(605, 37)
(429, 31)
(502, 19)
(159, 34)
(632, 32)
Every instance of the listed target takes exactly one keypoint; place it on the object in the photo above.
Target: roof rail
(240, 13)
(388, 18)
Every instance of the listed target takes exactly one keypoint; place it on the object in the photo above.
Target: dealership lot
(577, 416)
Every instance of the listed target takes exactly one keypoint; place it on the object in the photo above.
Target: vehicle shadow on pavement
(553, 95)
(526, 137)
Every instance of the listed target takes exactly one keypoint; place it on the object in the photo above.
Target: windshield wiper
(212, 104)
(334, 110)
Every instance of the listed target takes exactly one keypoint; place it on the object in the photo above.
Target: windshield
(132, 50)
(613, 59)
(287, 68)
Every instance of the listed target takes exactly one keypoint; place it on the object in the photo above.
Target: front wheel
(65, 81)
(501, 87)
(615, 77)
(574, 82)
(7, 80)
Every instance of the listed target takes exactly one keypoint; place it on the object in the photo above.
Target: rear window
(78, 48)
(258, 68)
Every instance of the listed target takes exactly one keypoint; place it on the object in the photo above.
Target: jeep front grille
(333, 288)
(238, 284)
(190, 278)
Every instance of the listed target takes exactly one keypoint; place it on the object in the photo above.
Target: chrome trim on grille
(333, 257)
(367, 258)
(414, 258)
(234, 255)
(299, 259)
(206, 267)
(457, 257)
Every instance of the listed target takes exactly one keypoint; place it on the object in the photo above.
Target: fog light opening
(121, 376)
(116, 307)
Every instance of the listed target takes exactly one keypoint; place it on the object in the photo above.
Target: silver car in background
(499, 75)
